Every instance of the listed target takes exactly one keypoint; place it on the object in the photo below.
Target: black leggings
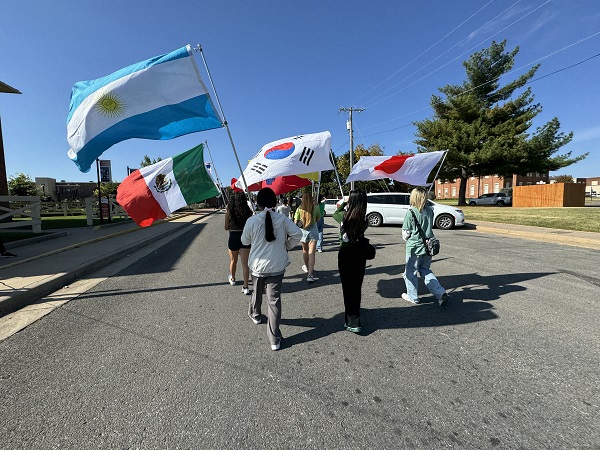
(351, 265)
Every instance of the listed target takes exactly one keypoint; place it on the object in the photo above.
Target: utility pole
(349, 127)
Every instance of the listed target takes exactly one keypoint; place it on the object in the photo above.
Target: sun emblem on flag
(110, 104)
(162, 184)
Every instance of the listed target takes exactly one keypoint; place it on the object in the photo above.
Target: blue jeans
(420, 264)
(320, 225)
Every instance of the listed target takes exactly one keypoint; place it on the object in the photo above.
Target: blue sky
(283, 68)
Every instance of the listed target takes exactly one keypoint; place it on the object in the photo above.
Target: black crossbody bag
(432, 245)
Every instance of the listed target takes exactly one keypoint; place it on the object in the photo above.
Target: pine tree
(484, 126)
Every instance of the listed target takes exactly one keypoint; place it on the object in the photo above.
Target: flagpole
(438, 172)
(336, 173)
(216, 173)
(199, 49)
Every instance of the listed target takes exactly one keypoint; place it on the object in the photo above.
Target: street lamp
(3, 179)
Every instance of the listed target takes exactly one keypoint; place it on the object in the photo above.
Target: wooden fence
(549, 195)
(21, 206)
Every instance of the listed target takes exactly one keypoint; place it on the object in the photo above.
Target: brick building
(487, 184)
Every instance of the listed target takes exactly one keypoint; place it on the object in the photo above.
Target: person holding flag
(352, 262)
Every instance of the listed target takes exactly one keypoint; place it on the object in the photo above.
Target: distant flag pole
(337, 176)
(199, 49)
(220, 185)
(437, 173)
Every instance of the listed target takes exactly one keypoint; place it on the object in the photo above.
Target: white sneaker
(275, 347)
(408, 299)
(231, 280)
(256, 320)
(310, 278)
(304, 268)
(246, 291)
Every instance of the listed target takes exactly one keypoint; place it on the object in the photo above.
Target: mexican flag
(154, 192)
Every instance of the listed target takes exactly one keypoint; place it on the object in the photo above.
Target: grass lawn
(49, 223)
(579, 219)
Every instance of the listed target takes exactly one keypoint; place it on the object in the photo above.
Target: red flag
(288, 183)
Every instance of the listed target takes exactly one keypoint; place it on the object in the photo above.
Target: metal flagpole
(437, 173)
(216, 173)
(246, 188)
(336, 173)
(99, 191)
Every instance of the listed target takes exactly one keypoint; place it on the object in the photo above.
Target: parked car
(331, 204)
(391, 208)
(496, 198)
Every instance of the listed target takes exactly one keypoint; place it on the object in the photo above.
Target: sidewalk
(557, 236)
(48, 263)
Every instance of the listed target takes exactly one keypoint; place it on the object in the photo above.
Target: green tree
(107, 190)
(22, 184)
(564, 179)
(148, 162)
(484, 126)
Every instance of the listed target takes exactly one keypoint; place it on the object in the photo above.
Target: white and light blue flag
(160, 98)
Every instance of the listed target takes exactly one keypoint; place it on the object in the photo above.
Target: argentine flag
(160, 98)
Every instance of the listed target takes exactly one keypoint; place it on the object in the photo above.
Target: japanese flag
(409, 169)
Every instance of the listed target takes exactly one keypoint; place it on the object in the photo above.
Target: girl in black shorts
(236, 215)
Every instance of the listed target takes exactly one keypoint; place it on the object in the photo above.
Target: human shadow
(389, 318)
(468, 286)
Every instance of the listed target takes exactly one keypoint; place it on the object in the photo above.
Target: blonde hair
(307, 207)
(418, 198)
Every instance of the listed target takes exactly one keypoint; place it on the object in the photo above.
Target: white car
(391, 208)
(331, 204)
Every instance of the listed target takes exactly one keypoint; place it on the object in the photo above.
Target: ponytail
(269, 234)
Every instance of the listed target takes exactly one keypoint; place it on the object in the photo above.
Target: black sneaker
(443, 299)
(7, 255)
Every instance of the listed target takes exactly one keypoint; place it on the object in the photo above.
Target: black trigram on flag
(306, 155)
(259, 167)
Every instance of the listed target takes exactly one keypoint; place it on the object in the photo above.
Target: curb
(55, 282)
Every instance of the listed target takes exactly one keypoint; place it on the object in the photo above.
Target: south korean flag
(290, 156)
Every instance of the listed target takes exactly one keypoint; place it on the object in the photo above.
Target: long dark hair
(354, 217)
(239, 211)
(266, 198)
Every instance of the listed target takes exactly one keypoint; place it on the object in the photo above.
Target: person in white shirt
(271, 235)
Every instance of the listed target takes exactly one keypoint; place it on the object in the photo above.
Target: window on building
(528, 183)
(507, 185)
(496, 187)
(472, 190)
(486, 188)
(453, 191)
(445, 192)
(520, 183)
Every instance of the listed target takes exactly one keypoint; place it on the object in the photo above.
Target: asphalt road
(163, 355)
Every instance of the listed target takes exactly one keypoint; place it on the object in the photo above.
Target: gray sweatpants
(272, 287)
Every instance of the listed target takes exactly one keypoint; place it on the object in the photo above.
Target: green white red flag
(156, 191)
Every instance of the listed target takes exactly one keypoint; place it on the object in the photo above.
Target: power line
(439, 56)
(422, 53)
(483, 84)
(453, 60)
